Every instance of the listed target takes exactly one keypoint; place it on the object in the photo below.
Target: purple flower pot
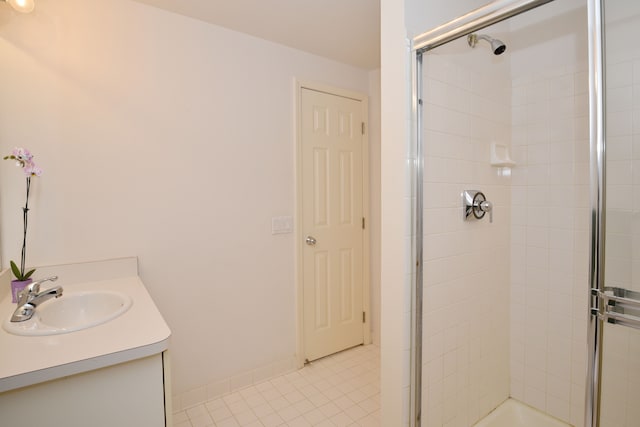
(17, 286)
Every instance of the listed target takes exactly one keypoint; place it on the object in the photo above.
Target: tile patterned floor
(342, 390)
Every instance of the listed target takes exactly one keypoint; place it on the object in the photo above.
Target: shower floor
(515, 414)
(340, 390)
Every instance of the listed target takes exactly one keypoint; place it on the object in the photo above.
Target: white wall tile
(561, 86)
(619, 75)
(554, 186)
(620, 98)
(620, 123)
(457, 263)
(547, 243)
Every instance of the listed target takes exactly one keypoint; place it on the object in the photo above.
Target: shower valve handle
(481, 206)
(475, 205)
(487, 206)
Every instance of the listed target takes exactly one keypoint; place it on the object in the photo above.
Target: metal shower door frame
(597, 127)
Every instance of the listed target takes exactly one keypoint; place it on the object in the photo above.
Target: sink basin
(71, 312)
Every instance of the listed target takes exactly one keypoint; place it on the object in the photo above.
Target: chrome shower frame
(597, 127)
(473, 21)
(460, 27)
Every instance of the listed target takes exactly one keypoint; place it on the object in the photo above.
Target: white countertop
(139, 332)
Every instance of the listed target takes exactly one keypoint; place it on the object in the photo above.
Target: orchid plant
(24, 160)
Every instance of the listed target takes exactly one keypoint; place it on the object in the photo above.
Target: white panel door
(332, 222)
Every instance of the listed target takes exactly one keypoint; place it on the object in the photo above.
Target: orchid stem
(25, 211)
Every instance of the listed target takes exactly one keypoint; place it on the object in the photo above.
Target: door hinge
(363, 128)
(364, 317)
(363, 223)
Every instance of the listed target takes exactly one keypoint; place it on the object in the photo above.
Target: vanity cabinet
(114, 374)
(130, 394)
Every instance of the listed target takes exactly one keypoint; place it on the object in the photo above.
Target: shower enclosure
(515, 294)
(616, 280)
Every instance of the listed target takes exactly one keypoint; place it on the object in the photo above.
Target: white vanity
(110, 374)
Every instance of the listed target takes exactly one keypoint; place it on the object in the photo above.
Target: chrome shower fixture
(497, 46)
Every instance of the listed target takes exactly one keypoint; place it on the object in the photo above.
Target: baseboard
(214, 390)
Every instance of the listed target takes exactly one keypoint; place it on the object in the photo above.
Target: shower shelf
(500, 156)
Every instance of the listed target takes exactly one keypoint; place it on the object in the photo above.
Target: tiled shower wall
(505, 303)
(547, 214)
(549, 240)
(623, 145)
(466, 268)
(621, 348)
(623, 174)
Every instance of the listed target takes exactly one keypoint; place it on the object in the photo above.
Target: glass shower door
(620, 299)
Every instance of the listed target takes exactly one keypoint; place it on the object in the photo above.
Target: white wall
(422, 15)
(395, 217)
(173, 140)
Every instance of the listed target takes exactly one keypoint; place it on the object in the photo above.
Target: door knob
(310, 240)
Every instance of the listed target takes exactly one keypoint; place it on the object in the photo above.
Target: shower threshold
(512, 413)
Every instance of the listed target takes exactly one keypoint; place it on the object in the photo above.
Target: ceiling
(347, 31)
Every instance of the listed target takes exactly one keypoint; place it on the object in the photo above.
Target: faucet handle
(32, 289)
(487, 206)
(35, 286)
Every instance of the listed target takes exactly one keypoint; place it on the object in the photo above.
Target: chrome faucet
(30, 297)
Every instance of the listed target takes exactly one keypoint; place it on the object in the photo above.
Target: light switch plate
(281, 225)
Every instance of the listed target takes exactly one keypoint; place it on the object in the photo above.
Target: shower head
(497, 46)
